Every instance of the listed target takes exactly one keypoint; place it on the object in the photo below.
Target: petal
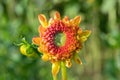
(45, 57)
(55, 68)
(75, 21)
(57, 15)
(36, 40)
(79, 31)
(68, 63)
(51, 21)
(41, 30)
(77, 59)
(86, 33)
(66, 20)
(43, 20)
(83, 36)
(83, 39)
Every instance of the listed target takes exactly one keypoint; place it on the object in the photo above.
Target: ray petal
(45, 57)
(43, 20)
(41, 30)
(75, 22)
(57, 15)
(86, 33)
(66, 20)
(55, 68)
(51, 21)
(68, 63)
(36, 40)
(77, 59)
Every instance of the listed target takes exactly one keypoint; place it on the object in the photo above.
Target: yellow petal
(77, 59)
(75, 21)
(68, 63)
(57, 15)
(83, 36)
(43, 20)
(86, 33)
(55, 68)
(36, 40)
(51, 21)
(45, 57)
(83, 39)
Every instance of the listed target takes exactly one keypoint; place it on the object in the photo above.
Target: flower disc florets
(61, 52)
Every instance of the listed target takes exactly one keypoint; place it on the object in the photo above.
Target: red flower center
(68, 45)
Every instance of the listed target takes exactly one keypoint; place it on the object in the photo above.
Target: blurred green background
(18, 18)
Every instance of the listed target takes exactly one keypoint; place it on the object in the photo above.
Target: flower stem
(54, 77)
(63, 69)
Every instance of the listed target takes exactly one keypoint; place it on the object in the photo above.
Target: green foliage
(102, 51)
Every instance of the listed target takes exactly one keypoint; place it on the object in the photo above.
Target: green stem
(54, 77)
(63, 69)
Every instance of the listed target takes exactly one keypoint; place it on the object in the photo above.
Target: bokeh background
(100, 55)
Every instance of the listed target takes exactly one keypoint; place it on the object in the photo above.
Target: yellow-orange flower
(64, 49)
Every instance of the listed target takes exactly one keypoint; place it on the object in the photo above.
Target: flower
(60, 40)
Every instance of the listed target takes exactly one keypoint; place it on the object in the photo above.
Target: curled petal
(55, 68)
(43, 20)
(83, 39)
(45, 57)
(83, 36)
(68, 63)
(75, 21)
(86, 33)
(57, 16)
(77, 59)
(36, 40)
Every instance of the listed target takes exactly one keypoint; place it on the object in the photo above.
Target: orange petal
(36, 40)
(77, 20)
(41, 30)
(55, 68)
(66, 20)
(43, 20)
(57, 15)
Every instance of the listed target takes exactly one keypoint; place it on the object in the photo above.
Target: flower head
(60, 40)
